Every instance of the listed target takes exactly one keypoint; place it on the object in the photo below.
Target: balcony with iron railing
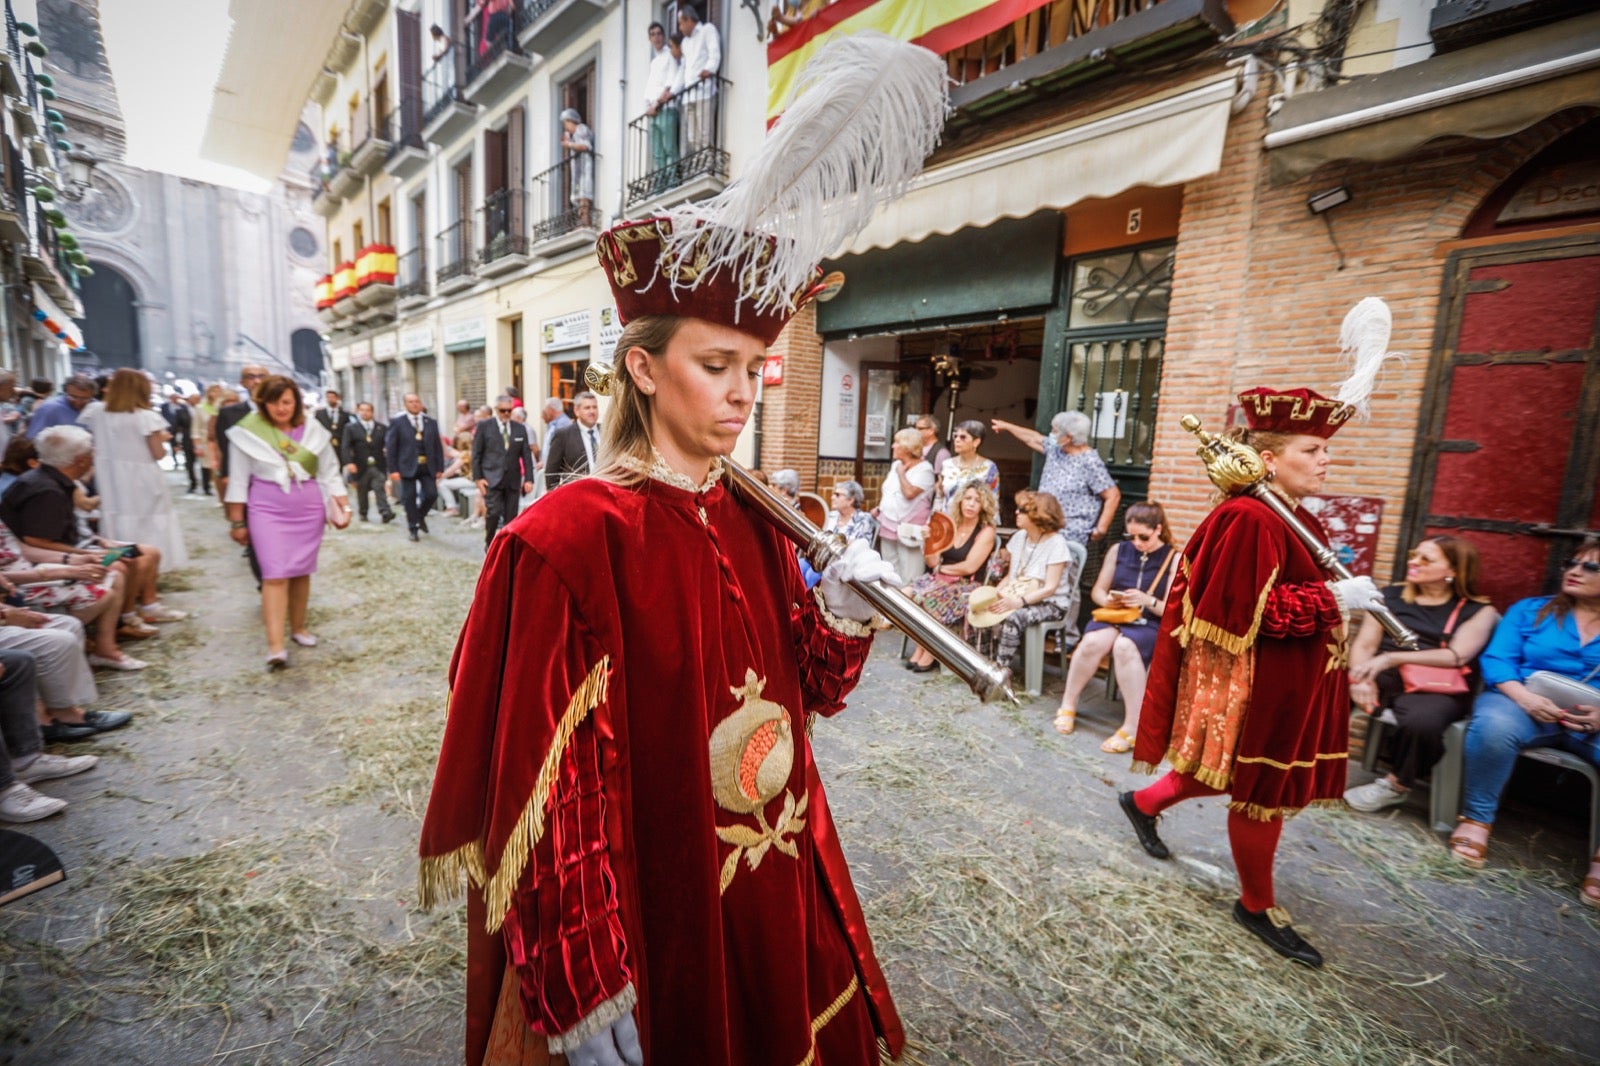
(446, 111)
(562, 211)
(371, 139)
(411, 278)
(454, 259)
(678, 153)
(505, 232)
(495, 60)
(403, 124)
(546, 25)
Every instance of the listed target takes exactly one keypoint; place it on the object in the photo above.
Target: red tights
(1254, 844)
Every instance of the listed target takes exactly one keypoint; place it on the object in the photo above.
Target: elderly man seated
(38, 508)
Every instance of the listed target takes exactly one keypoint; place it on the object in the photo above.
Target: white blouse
(251, 457)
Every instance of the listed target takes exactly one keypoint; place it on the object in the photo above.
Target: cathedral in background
(190, 280)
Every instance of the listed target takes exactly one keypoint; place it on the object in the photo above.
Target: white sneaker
(127, 662)
(157, 612)
(45, 766)
(19, 803)
(1375, 796)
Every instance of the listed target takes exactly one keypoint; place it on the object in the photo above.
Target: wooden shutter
(494, 161)
(516, 156)
(408, 25)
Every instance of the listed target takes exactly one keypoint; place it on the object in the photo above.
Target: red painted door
(1514, 465)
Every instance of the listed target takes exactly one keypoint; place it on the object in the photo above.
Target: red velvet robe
(626, 779)
(1248, 689)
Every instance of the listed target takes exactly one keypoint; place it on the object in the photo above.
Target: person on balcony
(702, 58)
(441, 41)
(578, 140)
(495, 16)
(661, 87)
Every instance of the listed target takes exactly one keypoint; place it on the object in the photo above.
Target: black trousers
(500, 506)
(1420, 721)
(371, 482)
(189, 464)
(417, 496)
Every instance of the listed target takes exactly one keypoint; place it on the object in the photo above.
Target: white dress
(135, 502)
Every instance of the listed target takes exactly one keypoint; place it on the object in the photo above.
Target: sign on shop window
(567, 331)
(1111, 415)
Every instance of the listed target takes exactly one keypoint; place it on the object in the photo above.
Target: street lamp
(80, 172)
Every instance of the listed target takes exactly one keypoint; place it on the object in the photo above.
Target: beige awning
(1168, 141)
(1489, 90)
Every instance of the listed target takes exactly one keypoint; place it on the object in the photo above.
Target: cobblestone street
(241, 871)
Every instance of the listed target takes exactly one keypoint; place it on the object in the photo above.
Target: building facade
(188, 280)
(40, 262)
(1140, 214)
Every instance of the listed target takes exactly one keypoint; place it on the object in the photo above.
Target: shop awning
(1163, 142)
(1489, 90)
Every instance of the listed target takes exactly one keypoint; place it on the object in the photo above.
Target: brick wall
(1258, 297)
(789, 411)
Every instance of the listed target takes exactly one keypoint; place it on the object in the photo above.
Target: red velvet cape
(1248, 689)
(584, 785)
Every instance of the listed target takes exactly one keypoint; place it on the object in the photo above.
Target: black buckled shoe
(1272, 926)
(105, 721)
(1144, 826)
(66, 732)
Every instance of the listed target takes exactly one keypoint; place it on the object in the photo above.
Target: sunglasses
(1589, 566)
(502, 410)
(1140, 536)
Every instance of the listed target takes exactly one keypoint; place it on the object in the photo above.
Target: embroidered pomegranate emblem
(752, 755)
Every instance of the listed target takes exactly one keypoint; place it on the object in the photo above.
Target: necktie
(594, 446)
(505, 434)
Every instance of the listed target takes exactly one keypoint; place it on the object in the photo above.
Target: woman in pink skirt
(281, 465)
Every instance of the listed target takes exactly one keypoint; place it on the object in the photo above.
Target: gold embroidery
(1301, 409)
(1304, 764)
(752, 755)
(439, 877)
(1192, 628)
(1338, 652)
(828, 1015)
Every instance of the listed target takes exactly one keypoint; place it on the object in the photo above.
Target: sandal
(1589, 890)
(1471, 852)
(1118, 743)
(1066, 720)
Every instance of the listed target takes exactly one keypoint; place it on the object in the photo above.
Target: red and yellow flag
(938, 25)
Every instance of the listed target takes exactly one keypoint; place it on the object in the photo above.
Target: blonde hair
(990, 506)
(128, 390)
(627, 430)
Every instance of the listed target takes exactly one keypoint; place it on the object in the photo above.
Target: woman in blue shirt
(1559, 633)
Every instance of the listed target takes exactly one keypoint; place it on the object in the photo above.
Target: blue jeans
(1498, 732)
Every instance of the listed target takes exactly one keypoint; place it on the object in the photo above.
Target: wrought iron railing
(490, 36)
(559, 204)
(680, 142)
(532, 9)
(366, 126)
(1045, 28)
(441, 84)
(505, 225)
(454, 257)
(402, 126)
(411, 274)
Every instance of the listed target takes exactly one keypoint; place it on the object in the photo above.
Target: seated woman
(1136, 574)
(846, 516)
(1041, 584)
(1561, 634)
(458, 478)
(75, 584)
(956, 571)
(1439, 602)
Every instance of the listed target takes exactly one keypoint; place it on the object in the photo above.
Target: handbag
(1441, 680)
(338, 517)
(1127, 616)
(1563, 691)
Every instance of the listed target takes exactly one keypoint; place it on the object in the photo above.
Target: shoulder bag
(1443, 680)
(1127, 616)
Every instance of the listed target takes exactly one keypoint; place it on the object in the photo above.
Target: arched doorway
(1506, 455)
(305, 346)
(111, 318)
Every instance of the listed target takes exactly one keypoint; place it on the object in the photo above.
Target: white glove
(1356, 593)
(617, 1045)
(858, 563)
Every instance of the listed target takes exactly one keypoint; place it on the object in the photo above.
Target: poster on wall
(772, 370)
(1110, 415)
(877, 430)
(610, 329)
(566, 331)
(1352, 523)
(847, 402)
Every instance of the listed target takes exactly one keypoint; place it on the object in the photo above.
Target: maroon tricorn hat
(1293, 411)
(646, 279)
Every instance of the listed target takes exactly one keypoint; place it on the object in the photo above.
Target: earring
(648, 390)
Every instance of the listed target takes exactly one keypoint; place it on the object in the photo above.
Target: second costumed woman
(626, 778)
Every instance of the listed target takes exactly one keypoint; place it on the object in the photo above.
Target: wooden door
(1509, 456)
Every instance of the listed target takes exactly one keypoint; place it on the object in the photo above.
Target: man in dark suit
(228, 416)
(502, 463)
(176, 412)
(364, 464)
(334, 419)
(574, 450)
(415, 456)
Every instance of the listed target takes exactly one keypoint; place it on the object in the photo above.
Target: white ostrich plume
(1364, 341)
(866, 112)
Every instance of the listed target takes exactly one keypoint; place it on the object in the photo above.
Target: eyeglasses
(1140, 536)
(502, 410)
(1589, 566)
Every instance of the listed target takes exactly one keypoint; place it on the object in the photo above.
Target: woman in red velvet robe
(626, 778)
(1247, 692)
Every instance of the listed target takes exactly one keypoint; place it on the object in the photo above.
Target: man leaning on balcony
(660, 87)
(702, 56)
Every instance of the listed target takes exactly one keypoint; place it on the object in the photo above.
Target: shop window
(566, 380)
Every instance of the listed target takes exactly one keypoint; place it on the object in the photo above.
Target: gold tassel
(440, 877)
(1201, 773)
(1194, 628)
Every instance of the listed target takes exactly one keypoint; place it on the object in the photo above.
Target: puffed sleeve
(830, 650)
(518, 803)
(1300, 609)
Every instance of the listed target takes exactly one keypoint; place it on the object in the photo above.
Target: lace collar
(658, 470)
